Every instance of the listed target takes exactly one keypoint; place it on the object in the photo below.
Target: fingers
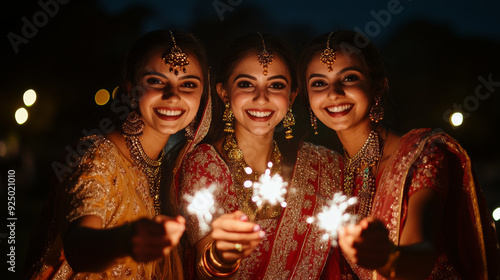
(154, 238)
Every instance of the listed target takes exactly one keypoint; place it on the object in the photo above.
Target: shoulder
(311, 149)
(202, 152)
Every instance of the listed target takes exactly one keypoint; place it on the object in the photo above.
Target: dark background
(435, 52)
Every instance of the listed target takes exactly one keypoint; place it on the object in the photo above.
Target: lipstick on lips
(339, 110)
(169, 113)
(260, 115)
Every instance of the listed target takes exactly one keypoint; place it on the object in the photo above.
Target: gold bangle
(392, 262)
(210, 266)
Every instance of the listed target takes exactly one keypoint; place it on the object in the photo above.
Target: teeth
(338, 109)
(170, 113)
(259, 114)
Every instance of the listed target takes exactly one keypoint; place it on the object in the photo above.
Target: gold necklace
(369, 157)
(150, 167)
(237, 165)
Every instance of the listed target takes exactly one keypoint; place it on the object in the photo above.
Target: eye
(351, 78)
(277, 85)
(244, 84)
(153, 81)
(318, 83)
(190, 85)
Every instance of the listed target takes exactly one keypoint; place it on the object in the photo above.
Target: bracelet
(392, 262)
(210, 265)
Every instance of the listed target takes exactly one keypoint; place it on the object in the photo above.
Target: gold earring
(228, 118)
(314, 121)
(288, 122)
(377, 111)
(133, 125)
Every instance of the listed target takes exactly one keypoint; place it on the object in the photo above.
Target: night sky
(437, 54)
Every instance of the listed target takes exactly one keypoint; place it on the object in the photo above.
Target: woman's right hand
(152, 239)
(232, 229)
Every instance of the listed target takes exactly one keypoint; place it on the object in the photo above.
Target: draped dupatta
(470, 240)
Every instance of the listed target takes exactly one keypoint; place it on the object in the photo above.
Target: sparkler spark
(269, 189)
(202, 204)
(334, 216)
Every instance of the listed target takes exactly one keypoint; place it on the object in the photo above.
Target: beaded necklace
(241, 172)
(150, 167)
(369, 157)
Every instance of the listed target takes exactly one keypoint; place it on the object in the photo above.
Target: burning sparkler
(269, 189)
(202, 204)
(334, 216)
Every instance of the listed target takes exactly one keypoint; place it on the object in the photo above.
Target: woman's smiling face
(259, 101)
(340, 98)
(169, 102)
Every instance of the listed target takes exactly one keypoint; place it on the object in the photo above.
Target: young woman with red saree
(422, 213)
(257, 82)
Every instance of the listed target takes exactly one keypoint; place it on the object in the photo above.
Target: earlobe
(222, 92)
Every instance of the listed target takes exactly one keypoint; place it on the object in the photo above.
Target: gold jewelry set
(368, 158)
(175, 57)
(132, 128)
(241, 173)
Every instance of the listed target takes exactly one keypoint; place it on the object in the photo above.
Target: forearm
(94, 250)
(410, 262)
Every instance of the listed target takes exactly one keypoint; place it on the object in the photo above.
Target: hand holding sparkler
(367, 243)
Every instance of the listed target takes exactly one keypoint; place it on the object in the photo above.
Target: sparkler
(202, 204)
(334, 216)
(269, 190)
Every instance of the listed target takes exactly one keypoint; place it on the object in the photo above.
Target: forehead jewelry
(175, 57)
(265, 57)
(328, 55)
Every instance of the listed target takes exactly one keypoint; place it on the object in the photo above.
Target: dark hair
(347, 42)
(238, 50)
(157, 43)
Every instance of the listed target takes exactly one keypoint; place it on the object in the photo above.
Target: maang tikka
(328, 55)
(176, 57)
(265, 57)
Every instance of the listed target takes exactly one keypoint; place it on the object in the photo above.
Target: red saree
(467, 246)
(292, 248)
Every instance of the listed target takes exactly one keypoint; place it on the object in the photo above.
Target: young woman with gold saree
(422, 213)
(105, 220)
(257, 82)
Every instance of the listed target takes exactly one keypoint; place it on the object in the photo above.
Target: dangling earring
(133, 125)
(377, 111)
(314, 121)
(190, 129)
(228, 118)
(288, 122)
(133, 103)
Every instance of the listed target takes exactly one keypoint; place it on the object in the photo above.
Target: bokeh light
(21, 115)
(496, 214)
(456, 119)
(115, 91)
(101, 97)
(29, 97)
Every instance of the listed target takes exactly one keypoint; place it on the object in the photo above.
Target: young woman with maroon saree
(422, 213)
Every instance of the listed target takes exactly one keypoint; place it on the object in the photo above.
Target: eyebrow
(165, 77)
(352, 68)
(255, 79)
